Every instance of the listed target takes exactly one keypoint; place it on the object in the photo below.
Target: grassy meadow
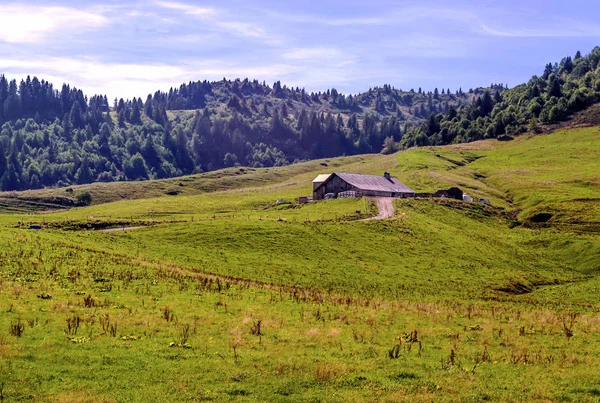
(226, 295)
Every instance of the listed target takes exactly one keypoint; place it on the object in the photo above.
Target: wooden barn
(364, 185)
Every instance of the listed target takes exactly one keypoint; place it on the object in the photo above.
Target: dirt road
(121, 229)
(386, 208)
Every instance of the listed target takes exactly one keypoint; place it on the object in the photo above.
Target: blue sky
(131, 48)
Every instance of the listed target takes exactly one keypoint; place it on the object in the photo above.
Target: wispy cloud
(217, 19)
(397, 16)
(320, 53)
(475, 20)
(133, 79)
(187, 8)
(242, 28)
(558, 30)
(19, 24)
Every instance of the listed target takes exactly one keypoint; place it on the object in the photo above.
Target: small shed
(452, 193)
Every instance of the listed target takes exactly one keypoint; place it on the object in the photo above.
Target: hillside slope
(553, 173)
(546, 183)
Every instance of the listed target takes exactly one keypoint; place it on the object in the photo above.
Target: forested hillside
(54, 137)
(57, 138)
(564, 88)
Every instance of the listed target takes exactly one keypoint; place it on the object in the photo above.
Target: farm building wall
(334, 185)
(375, 193)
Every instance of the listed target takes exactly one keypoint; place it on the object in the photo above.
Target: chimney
(387, 176)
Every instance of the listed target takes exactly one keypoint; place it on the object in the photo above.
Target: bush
(84, 198)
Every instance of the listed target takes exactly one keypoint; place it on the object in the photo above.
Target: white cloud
(558, 30)
(470, 20)
(217, 20)
(312, 53)
(138, 80)
(21, 24)
(398, 16)
(192, 38)
(187, 9)
(242, 28)
(133, 80)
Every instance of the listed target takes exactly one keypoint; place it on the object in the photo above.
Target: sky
(133, 48)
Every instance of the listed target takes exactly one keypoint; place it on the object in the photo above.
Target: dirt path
(386, 208)
(121, 229)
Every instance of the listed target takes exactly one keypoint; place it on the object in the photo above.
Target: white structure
(467, 198)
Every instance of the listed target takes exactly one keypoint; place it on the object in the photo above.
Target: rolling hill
(223, 294)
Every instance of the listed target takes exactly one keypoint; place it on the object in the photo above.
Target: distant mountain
(57, 138)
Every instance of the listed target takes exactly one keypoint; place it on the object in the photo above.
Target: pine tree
(555, 90)
(3, 95)
(487, 104)
(498, 97)
(135, 118)
(12, 104)
(121, 118)
(75, 116)
(84, 173)
(2, 163)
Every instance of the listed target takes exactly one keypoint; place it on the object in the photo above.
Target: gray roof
(375, 183)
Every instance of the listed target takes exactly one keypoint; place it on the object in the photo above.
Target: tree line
(60, 137)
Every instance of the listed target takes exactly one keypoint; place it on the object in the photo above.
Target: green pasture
(227, 295)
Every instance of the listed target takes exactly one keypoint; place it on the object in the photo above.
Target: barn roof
(374, 183)
(321, 178)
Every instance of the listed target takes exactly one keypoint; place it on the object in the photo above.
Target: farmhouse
(341, 184)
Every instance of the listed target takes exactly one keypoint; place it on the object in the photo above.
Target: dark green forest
(563, 89)
(60, 137)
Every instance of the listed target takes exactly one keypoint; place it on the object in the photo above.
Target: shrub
(17, 329)
(84, 198)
